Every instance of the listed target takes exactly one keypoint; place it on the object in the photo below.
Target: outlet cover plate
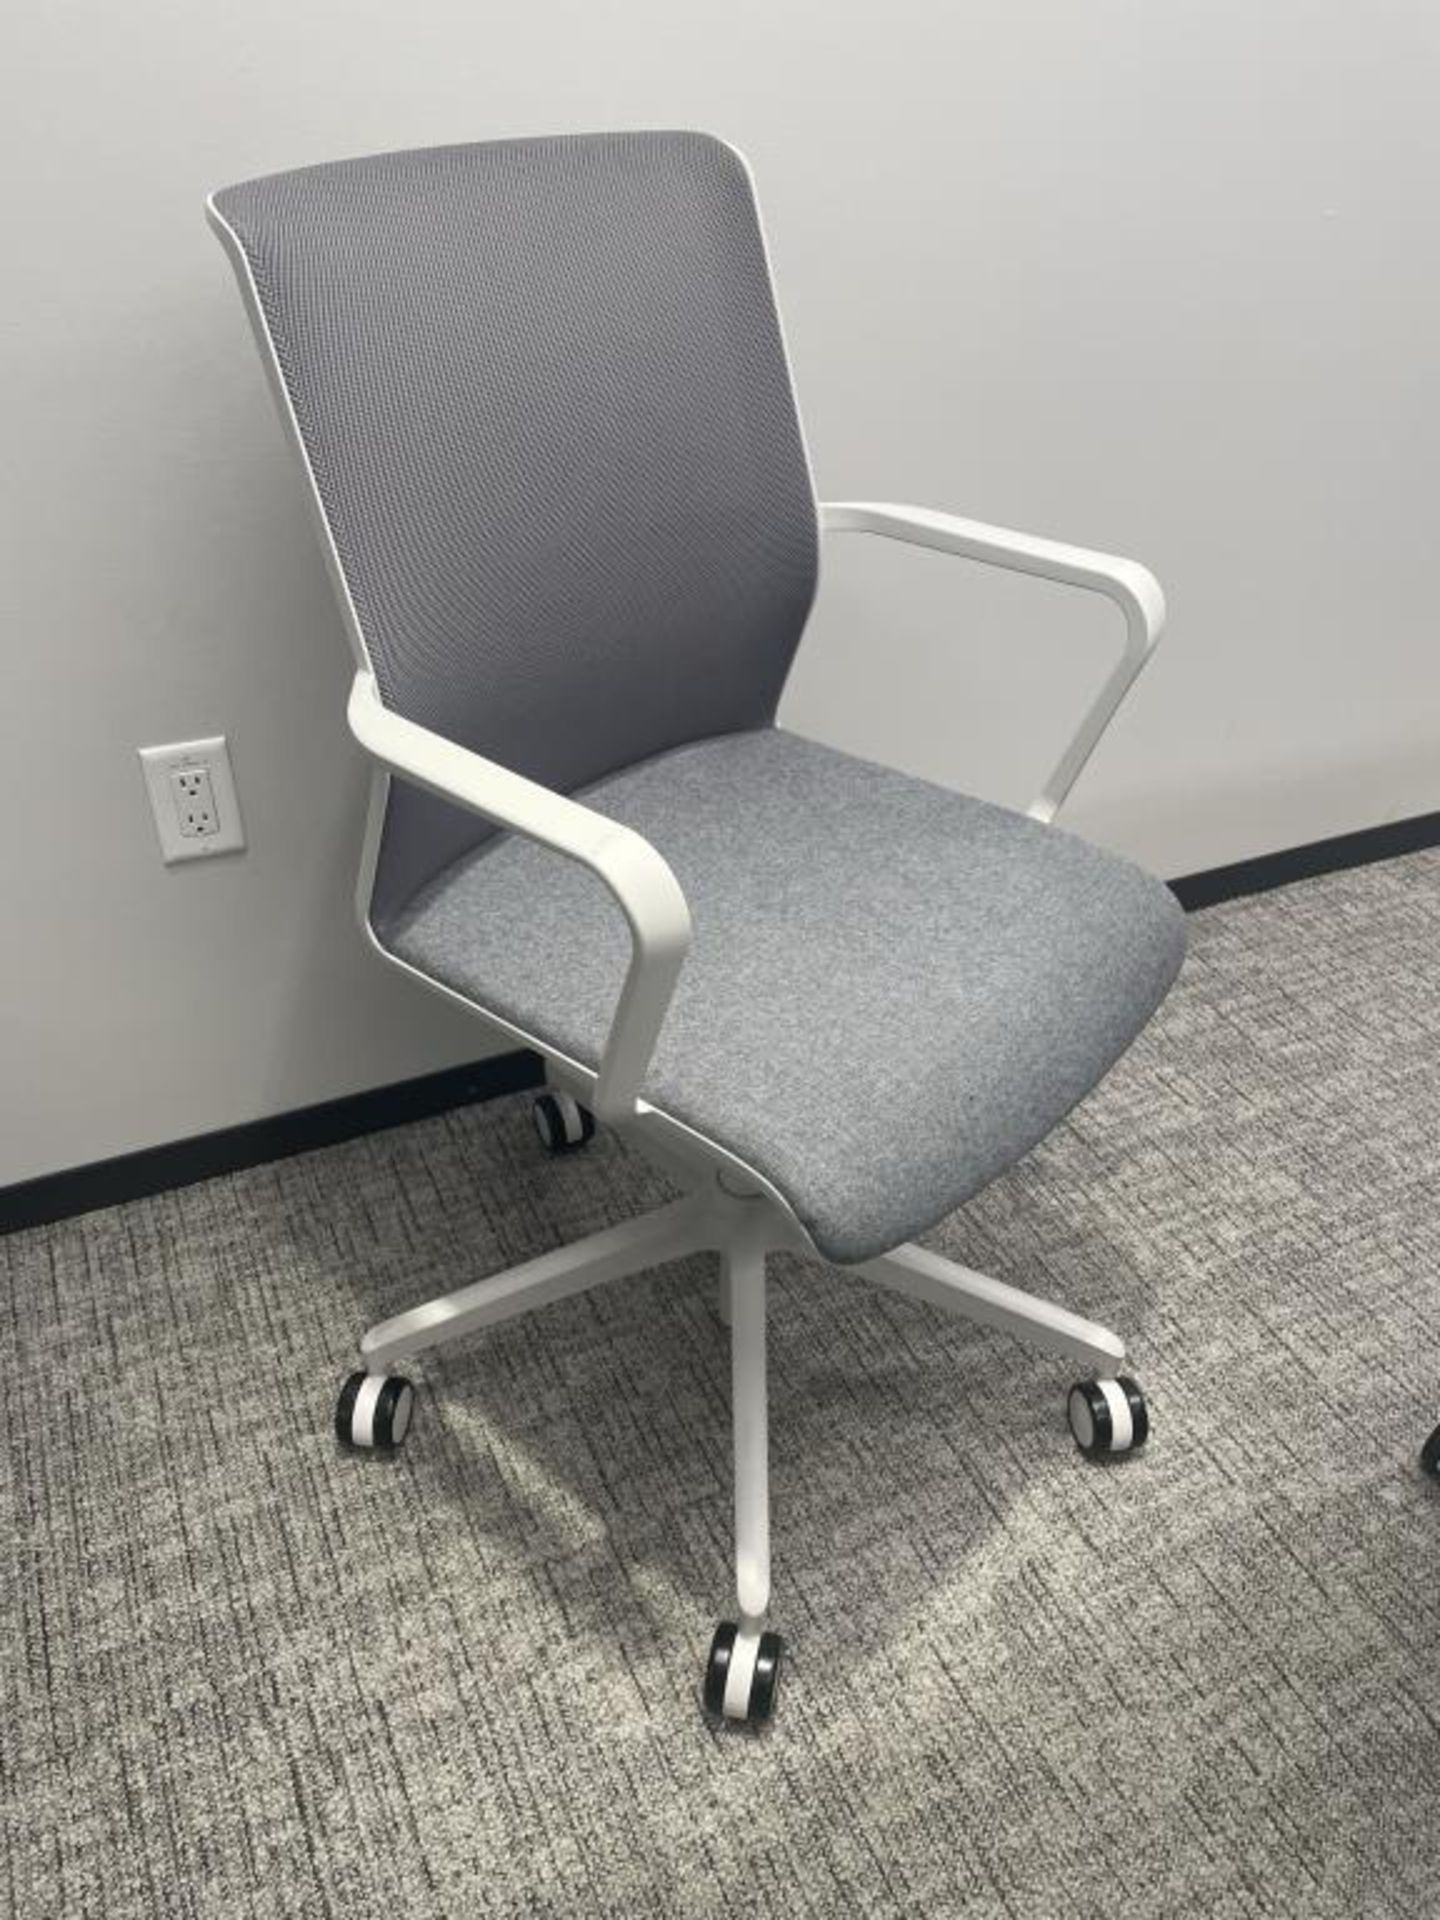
(159, 764)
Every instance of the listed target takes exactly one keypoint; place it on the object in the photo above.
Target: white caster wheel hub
(562, 1123)
(374, 1412)
(742, 1676)
(1108, 1416)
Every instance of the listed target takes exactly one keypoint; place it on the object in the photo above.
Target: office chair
(541, 397)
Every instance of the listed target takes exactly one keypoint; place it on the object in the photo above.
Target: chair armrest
(648, 892)
(1132, 587)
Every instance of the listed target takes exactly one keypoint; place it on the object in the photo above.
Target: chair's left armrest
(1132, 587)
(637, 876)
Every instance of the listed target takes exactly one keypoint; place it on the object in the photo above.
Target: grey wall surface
(1155, 279)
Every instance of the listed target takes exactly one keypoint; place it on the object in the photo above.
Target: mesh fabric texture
(542, 388)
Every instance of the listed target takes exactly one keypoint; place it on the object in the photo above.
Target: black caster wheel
(374, 1412)
(1108, 1417)
(753, 1704)
(562, 1123)
(1430, 1453)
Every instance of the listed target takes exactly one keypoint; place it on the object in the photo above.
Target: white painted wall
(1158, 278)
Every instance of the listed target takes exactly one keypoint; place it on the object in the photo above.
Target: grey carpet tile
(245, 1675)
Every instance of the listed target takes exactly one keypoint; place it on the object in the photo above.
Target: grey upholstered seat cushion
(894, 991)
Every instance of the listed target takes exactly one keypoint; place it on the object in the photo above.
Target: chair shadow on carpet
(587, 1444)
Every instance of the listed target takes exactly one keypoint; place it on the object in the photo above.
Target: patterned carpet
(246, 1675)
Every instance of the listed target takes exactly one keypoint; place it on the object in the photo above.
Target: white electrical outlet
(192, 795)
(193, 792)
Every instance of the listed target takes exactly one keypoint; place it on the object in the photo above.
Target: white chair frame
(728, 1207)
(731, 1208)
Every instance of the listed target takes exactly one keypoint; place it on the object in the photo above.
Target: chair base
(1107, 1414)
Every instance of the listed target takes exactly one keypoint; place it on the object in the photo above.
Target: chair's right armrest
(1133, 588)
(647, 891)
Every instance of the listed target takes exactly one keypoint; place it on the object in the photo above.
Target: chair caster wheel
(1430, 1453)
(1108, 1416)
(374, 1411)
(742, 1675)
(562, 1123)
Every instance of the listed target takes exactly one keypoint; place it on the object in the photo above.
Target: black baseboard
(131, 1176)
(57, 1196)
(1280, 869)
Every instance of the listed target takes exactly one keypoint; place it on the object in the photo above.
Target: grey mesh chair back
(544, 397)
